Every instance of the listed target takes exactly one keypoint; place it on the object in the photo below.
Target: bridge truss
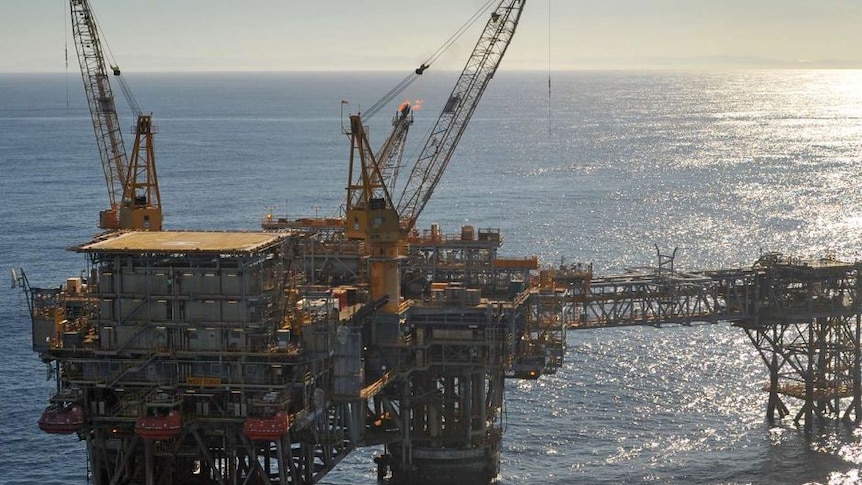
(802, 316)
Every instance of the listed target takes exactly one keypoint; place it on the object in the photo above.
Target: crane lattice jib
(391, 152)
(460, 106)
(100, 98)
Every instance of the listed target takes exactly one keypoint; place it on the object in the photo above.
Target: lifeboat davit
(62, 419)
(160, 427)
(269, 429)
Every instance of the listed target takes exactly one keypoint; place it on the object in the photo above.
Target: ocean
(604, 168)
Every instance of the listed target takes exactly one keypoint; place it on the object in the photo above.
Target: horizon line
(683, 67)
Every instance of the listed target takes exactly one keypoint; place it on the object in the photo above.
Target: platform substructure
(451, 419)
(805, 322)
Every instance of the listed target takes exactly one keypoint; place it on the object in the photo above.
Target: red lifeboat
(62, 419)
(160, 426)
(269, 429)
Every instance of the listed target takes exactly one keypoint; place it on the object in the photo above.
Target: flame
(417, 105)
(404, 105)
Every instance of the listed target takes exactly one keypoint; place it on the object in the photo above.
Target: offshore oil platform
(266, 357)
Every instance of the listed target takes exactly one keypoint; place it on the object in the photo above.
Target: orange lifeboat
(269, 418)
(61, 418)
(160, 426)
(267, 428)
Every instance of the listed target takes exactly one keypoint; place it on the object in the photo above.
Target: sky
(326, 35)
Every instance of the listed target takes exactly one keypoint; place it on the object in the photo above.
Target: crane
(462, 102)
(133, 190)
(372, 214)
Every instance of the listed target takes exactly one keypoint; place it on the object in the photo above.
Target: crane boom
(103, 109)
(133, 194)
(390, 154)
(459, 108)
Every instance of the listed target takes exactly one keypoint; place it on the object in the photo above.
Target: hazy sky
(265, 35)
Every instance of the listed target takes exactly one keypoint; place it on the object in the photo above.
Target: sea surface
(604, 168)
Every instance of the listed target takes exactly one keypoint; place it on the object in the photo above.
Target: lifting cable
(549, 69)
(113, 66)
(66, 49)
(413, 76)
